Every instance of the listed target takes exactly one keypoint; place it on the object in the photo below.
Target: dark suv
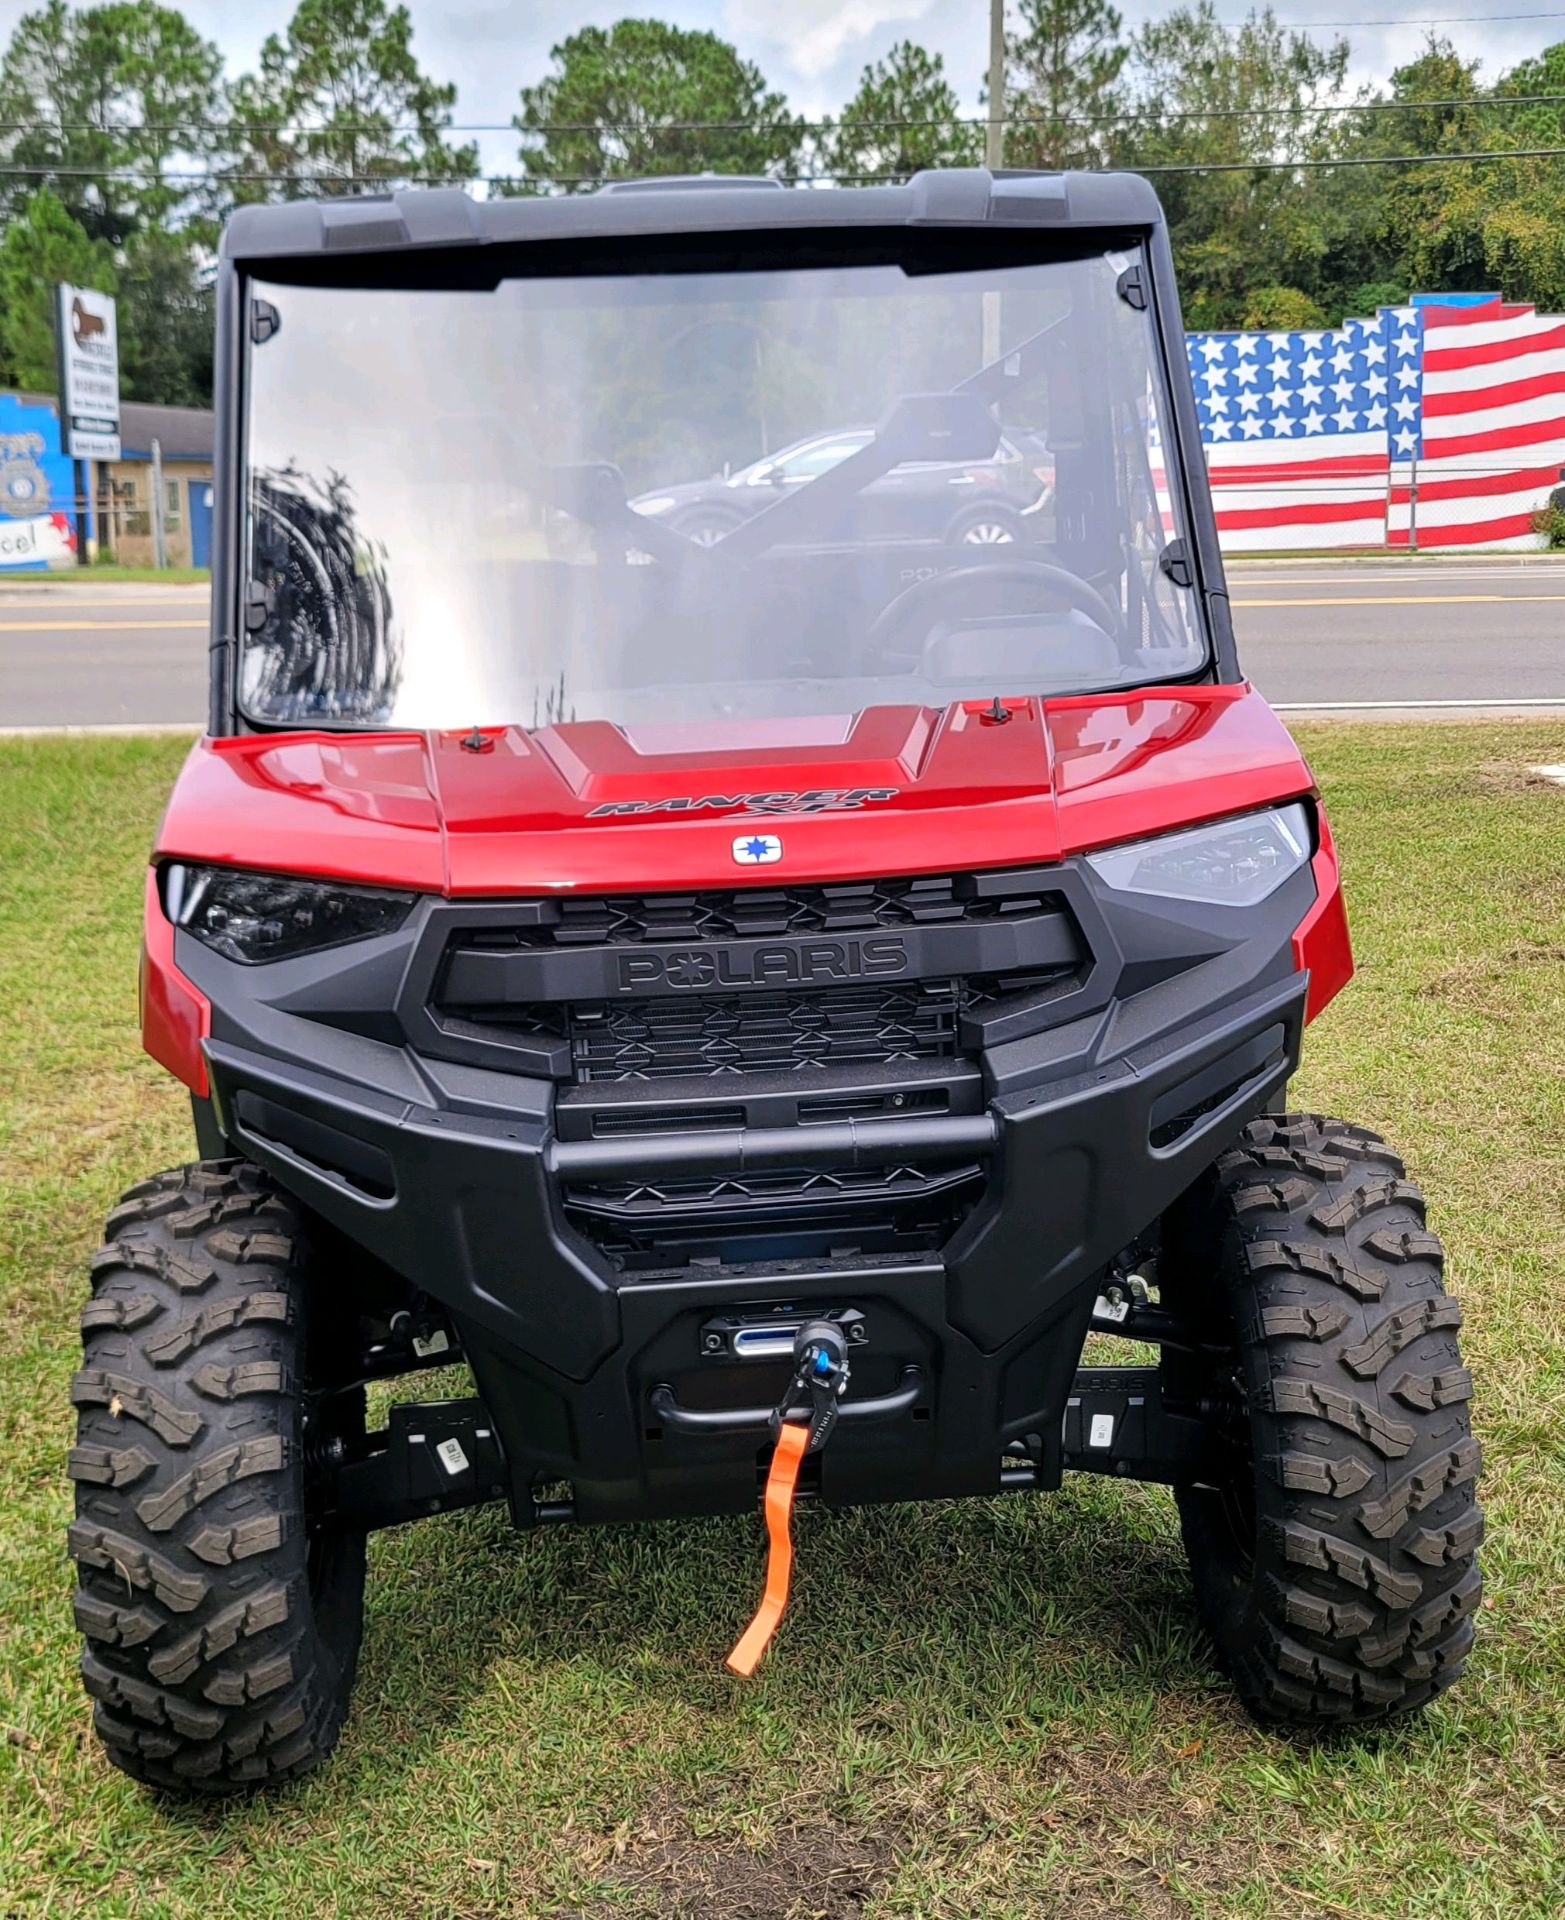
(981, 503)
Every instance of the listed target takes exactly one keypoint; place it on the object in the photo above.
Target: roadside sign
(88, 336)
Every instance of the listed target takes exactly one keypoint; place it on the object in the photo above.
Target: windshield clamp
(259, 605)
(1132, 289)
(264, 321)
(1174, 562)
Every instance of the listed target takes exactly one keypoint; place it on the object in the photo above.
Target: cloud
(811, 36)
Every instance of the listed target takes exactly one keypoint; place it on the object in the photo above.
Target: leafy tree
(1383, 211)
(1233, 102)
(1063, 68)
(92, 99)
(642, 97)
(340, 101)
(1438, 74)
(165, 320)
(904, 116)
(42, 246)
(1369, 296)
(1283, 309)
(1541, 123)
(1468, 226)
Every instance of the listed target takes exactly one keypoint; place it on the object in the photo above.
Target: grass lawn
(110, 574)
(993, 1709)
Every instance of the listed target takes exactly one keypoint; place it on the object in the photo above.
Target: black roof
(448, 217)
(182, 433)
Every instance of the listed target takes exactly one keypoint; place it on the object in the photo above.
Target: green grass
(993, 1709)
(111, 574)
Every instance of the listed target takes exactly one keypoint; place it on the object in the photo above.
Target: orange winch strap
(792, 1440)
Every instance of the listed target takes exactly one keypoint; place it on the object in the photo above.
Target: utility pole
(994, 157)
(159, 537)
(994, 132)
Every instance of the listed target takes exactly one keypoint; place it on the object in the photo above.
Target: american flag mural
(1443, 423)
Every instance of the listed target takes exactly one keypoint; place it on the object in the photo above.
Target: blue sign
(37, 508)
(1453, 299)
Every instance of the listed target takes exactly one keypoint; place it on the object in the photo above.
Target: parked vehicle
(985, 503)
(761, 1005)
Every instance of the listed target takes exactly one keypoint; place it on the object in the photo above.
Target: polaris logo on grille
(757, 849)
(807, 963)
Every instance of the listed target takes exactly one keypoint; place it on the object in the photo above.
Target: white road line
(13, 599)
(1394, 600)
(1341, 583)
(1427, 563)
(1254, 577)
(1405, 706)
(191, 727)
(123, 626)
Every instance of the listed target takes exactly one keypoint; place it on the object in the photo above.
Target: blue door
(200, 496)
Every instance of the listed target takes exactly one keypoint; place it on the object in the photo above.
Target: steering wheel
(927, 599)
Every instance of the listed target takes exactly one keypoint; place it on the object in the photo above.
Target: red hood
(901, 790)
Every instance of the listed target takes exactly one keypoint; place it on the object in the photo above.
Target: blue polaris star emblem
(757, 849)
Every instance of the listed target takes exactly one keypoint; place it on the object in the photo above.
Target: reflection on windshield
(728, 494)
(320, 590)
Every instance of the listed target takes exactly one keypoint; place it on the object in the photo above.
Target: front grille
(779, 1214)
(764, 1032)
(761, 1007)
(656, 987)
(853, 906)
(795, 1033)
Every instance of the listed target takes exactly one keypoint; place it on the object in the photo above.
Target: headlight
(660, 503)
(1231, 863)
(253, 917)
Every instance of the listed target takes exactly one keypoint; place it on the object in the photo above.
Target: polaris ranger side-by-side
(760, 1000)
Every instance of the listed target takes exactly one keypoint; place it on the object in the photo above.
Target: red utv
(760, 1002)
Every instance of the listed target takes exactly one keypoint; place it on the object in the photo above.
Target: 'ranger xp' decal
(816, 800)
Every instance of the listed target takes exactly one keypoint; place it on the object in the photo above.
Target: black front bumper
(452, 1175)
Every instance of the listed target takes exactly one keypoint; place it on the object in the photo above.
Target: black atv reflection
(323, 648)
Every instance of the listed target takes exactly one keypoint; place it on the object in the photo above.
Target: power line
(221, 175)
(346, 130)
(1439, 20)
(1358, 160)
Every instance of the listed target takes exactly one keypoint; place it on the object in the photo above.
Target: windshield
(710, 493)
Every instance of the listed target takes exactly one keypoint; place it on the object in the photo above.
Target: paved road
(1332, 633)
(92, 655)
(1328, 633)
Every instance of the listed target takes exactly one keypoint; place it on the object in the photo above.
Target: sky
(814, 50)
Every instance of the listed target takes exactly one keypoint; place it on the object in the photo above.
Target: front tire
(986, 527)
(1335, 1569)
(222, 1618)
(706, 526)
